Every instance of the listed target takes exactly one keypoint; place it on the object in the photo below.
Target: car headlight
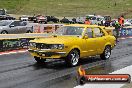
(60, 46)
(32, 44)
(57, 46)
(54, 46)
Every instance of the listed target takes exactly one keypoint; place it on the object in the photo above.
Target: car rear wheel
(29, 31)
(73, 58)
(106, 54)
(39, 60)
(45, 22)
(4, 32)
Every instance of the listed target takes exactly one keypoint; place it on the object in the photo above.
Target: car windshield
(93, 18)
(69, 30)
(2, 12)
(99, 19)
(4, 23)
(90, 17)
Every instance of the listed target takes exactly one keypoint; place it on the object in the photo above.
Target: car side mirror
(12, 26)
(85, 36)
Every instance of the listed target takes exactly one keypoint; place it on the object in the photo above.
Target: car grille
(42, 46)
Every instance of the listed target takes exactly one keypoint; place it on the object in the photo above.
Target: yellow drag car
(73, 43)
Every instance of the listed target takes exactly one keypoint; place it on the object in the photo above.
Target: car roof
(24, 16)
(90, 15)
(6, 20)
(10, 20)
(83, 25)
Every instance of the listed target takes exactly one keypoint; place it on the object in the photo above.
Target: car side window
(22, 23)
(89, 32)
(15, 23)
(98, 32)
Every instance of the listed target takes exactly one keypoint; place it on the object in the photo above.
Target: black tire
(55, 21)
(35, 21)
(39, 60)
(40, 22)
(73, 58)
(106, 54)
(29, 31)
(45, 22)
(4, 32)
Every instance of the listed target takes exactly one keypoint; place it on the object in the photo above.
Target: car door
(101, 39)
(13, 27)
(91, 47)
(22, 27)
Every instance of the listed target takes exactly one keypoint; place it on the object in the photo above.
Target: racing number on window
(98, 32)
(89, 32)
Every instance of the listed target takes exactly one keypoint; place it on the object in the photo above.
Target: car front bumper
(47, 54)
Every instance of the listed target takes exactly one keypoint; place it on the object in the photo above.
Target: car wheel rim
(107, 53)
(74, 58)
(4, 33)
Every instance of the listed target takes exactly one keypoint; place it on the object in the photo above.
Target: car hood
(56, 39)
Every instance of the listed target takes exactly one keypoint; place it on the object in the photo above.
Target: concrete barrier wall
(14, 44)
(18, 41)
(124, 32)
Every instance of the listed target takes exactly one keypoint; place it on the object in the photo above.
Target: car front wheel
(39, 60)
(72, 58)
(106, 54)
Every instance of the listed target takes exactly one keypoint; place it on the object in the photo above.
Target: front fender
(108, 44)
(75, 47)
